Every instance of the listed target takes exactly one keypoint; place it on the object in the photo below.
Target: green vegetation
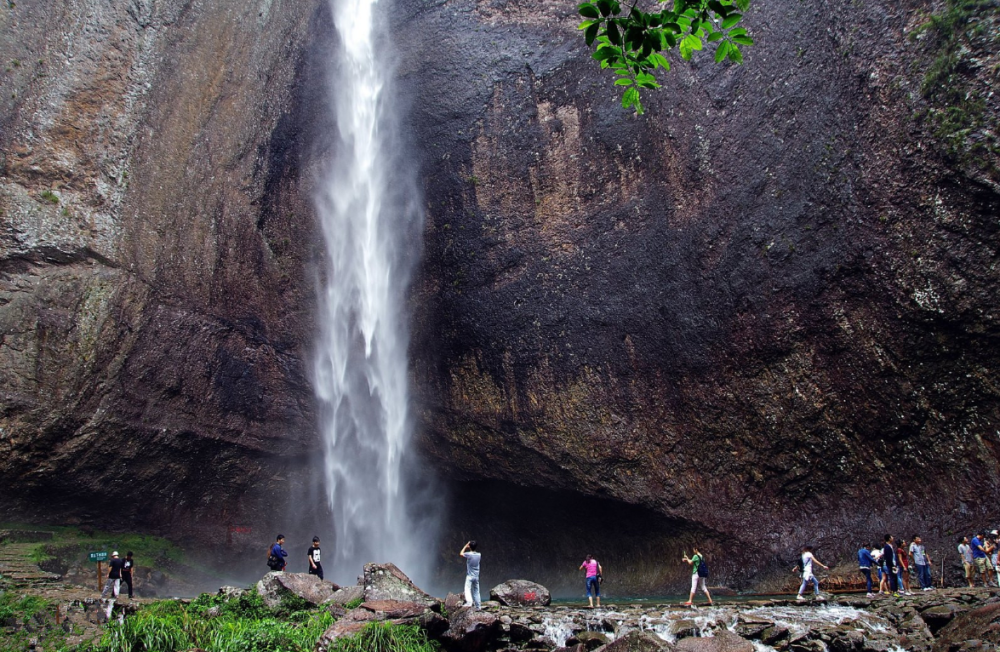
(957, 106)
(49, 196)
(631, 44)
(242, 625)
(20, 608)
(353, 604)
(385, 637)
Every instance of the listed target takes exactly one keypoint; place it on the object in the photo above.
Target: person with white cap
(114, 576)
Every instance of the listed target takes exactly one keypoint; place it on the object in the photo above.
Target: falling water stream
(369, 209)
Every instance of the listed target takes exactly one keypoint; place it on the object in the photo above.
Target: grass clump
(353, 604)
(386, 637)
(49, 196)
(21, 607)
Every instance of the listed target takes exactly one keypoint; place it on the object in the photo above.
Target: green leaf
(613, 34)
(659, 60)
(605, 7)
(739, 31)
(587, 23)
(718, 7)
(606, 52)
(589, 11)
(743, 40)
(591, 33)
(714, 36)
(673, 27)
(731, 20)
(743, 4)
(721, 51)
(689, 45)
(630, 98)
(735, 54)
(623, 82)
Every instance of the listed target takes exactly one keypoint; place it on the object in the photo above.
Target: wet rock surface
(310, 589)
(712, 317)
(521, 593)
(386, 582)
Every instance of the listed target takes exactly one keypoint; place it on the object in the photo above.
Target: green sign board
(98, 556)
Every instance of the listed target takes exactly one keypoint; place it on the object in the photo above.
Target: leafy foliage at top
(631, 42)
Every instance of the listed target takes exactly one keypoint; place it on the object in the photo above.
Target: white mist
(371, 218)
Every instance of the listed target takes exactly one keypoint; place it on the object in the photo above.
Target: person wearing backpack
(807, 572)
(276, 555)
(699, 573)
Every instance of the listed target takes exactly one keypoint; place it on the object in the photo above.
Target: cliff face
(758, 316)
(154, 298)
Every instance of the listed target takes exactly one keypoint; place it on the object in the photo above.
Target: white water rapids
(370, 213)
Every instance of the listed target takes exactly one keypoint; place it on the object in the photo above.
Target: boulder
(519, 632)
(684, 628)
(230, 592)
(967, 630)
(387, 582)
(338, 630)
(590, 640)
(636, 641)
(723, 641)
(752, 628)
(433, 623)
(275, 586)
(453, 601)
(521, 593)
(471, 631)
(395, 609)
(939, 616)
(346, 594)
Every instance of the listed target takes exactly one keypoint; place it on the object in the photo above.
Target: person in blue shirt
(979, 558)
(865, 564)
(276, 556)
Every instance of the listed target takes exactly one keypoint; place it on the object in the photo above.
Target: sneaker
(895, 595)
(870, 595)
(800, 598)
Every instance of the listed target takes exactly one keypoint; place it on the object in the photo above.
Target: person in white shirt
(806, 564)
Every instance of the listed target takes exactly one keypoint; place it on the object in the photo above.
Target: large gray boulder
(470, 630)
(387, 582)
(276, 586)
(346, 594)
(636, 641)
(521, 593)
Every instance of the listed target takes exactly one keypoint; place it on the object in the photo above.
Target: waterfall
(369, 207)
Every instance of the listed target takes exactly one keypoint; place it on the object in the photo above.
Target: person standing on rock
(807, 572)
(903, 571)
(276, 555)
(127, 567)
(697, 576)
(594, 572)
(472, 558)
(922, 563)
(889, 565)
(865, 564)
(965, 550)
(313, 555)
(114, 576)
(979, 558)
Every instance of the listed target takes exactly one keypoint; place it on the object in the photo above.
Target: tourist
(593, 578)
(472, 558)
(313, 555)
(996, 553)
(979, 559)
(889, 565)
(902, 568)
(883, 582)
(697, 576)
(127, 566)
(922, 563)
(806, 566)
(865, 563)
(989, 548)
(965, 550)
(276, 555)
(114, 582)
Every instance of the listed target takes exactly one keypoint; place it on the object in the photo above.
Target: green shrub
(21, 608)
(354, 604)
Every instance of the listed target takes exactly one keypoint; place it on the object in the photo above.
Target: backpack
(274, 562)
(703, 568)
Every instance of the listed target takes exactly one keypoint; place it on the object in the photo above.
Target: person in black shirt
(313, 555)
(127, 567)
(114, 576)
(889, 564)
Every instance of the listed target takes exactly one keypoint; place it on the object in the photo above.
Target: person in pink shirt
(594, 573)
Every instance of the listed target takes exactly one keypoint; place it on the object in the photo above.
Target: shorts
(696, 581)
(969, 572)
(980, 564)
(593, 587)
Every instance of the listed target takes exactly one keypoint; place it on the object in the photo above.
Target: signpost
(98, 557)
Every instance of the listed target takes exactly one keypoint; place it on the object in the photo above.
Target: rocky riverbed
(947, 620)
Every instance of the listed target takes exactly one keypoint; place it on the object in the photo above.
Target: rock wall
(760, 315)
